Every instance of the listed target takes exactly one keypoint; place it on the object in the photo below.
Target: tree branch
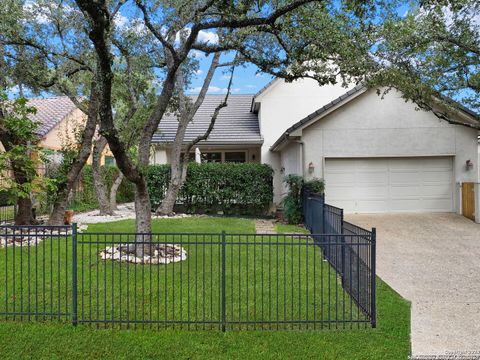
(213, 120)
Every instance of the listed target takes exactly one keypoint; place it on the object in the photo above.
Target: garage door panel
(405, 177)
(441, 191)
(405, 191)
(373, 177)
(404, 204)
(438, 176)
(341, 177)
(390, 184)
(343, 193)
(370, 192)
(348, 206)
(372, 206)
(444, 205)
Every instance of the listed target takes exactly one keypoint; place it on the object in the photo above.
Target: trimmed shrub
(240, 189)
(84, 195)
(292, 203)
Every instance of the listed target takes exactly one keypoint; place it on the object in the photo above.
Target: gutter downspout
(302, 156)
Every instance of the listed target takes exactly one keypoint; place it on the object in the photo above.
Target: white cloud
(198, 72)
(39, 14)
(197, 54)
(225, 77)
(250, 86)
(207, 37)
(43, 13)
(121, 21)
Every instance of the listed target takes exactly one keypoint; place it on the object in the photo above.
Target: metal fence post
(342, 247)
(223, 282)
(373, 279)
(74, 274)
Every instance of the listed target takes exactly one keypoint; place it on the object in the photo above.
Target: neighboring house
(235, 138)
(376, 155)
(59, 122)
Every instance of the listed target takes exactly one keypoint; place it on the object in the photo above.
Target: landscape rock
(162, 254)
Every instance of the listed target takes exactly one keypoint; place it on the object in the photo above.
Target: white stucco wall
(284, 104)
(369, 126)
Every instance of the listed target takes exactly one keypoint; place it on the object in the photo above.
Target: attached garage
(379, 154)
(367, 185)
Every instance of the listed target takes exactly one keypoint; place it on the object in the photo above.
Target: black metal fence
(7, 214)
(216, 281)
(354, 262)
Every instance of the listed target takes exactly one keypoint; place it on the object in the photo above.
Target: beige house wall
(66, 132)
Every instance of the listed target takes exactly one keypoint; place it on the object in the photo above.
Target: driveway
(433, 260)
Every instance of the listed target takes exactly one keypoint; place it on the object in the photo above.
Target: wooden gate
(468, 200)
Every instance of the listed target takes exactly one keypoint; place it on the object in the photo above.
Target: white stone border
(163, 254)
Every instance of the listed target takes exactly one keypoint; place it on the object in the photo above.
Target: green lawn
(249, 275)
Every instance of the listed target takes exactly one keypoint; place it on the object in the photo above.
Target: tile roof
(50, 111)
(235, 124)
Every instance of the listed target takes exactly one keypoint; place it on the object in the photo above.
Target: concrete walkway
(265, 227)
(433, 260)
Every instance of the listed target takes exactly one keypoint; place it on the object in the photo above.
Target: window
(109, 161)
(212, 157)
(220, 156)
(236, 157)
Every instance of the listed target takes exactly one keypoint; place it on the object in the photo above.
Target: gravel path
(124, 212)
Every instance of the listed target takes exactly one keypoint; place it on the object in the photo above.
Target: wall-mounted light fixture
(469, 164)
(311, 167)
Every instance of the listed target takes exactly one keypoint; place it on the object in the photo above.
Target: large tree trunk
(98, 181)
(177, 177)
(24, 214)
(61, 202)
(143, 225)
(114, 189)
(177, 180)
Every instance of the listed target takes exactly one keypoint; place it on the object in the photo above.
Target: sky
(246, 80)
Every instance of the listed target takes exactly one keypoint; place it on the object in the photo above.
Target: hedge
(84, 195)
(240, 189)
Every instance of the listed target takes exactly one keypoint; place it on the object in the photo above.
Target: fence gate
(468, 200)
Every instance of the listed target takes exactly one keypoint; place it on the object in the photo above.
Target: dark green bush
(316, 186)
(84, 195)
(245, 189)
(292, 203)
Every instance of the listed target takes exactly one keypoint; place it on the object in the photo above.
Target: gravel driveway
(433, 260)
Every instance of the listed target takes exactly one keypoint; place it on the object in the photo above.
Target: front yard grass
(50, 340)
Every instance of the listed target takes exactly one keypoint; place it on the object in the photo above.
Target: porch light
(311, 167)
(469, 164)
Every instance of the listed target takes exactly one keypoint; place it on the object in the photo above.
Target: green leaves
(21, 153)
(292, 203)
(229, 187)
(433, 51)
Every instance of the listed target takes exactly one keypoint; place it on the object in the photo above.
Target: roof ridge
(49, 98)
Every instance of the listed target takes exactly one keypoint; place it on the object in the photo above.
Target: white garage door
(390, 184)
